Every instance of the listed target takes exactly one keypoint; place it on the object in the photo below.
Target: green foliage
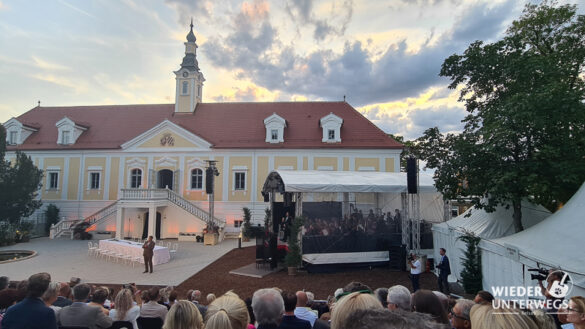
(524, 135)
(293, 257)
(7, 234)
(19, 184)
(247, 225)
(267, 217)
(471, 276)
(410, 149)
(51, 216)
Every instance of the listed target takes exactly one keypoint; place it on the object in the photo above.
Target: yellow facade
(114, 173)
(330, 162)
(389, 165)
(128, 169)
(184, 102)
(285, 162)
(262, 173)
(218, 186)
(88, 192)
(306, 163)
(346, 164)
(194, 195)
(73, 178)
(367, 163)
(53, 194)
(167, 137)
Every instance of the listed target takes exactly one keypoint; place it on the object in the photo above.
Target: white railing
(144, 194)
(61, 226)
(193, 209)
(102, 214)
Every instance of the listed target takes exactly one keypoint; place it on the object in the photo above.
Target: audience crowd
(355, 222)
(41, 303)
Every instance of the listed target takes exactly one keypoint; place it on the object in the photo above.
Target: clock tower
(188, 78)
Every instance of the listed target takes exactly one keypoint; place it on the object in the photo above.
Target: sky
(384, 57)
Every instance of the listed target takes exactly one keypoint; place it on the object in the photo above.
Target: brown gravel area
(216, 279)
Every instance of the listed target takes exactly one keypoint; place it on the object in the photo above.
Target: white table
(134, 249)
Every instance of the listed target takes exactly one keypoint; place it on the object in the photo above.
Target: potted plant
(294, 258)
(247, 227)
(211, 234)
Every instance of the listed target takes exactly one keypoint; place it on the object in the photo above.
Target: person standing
(444, 271)
(415, 270)
(148, 247)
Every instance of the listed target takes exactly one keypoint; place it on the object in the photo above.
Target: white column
(119, 223)
(151, 220)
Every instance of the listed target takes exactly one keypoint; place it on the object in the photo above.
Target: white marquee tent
(557, 242)
(486, 225)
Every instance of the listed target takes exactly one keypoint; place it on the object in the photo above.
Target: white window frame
(130, 176)
(331, 122)
(50, 173)
(331, 132)
(185, 88)
(12, 137)
(191, 179)
(236, 172)
(66, 137)
(90, 180)
(274, 122)
(274, 134)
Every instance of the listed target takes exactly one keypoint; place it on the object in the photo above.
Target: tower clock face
(185, 74)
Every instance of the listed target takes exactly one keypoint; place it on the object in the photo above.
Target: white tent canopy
(486, 225)
(556, 242)
(348, 181)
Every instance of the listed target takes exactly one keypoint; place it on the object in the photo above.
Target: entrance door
(165, 179)
(157, 228)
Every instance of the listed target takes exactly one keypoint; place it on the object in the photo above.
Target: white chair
(137, 259)
(174, 249)
(91, 249)
(127, 258)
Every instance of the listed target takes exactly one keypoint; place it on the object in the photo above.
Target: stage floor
(64, 259)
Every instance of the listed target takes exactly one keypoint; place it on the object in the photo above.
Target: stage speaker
(209, 180)
(411, 176)
(266, 197)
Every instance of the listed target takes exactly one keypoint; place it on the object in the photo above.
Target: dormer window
(13, 138)
(69, 131)
(275, 125)
(16, 132)
(331, 125)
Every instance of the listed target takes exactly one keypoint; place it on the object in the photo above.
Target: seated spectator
(302, 311)
(8, 298)
(210, 298)
(380, 318)
(50, 296)
(98, 298)
(398, 298)
(64, 294)
(183, 315)
(544, 320)
(173, 297)
(81, 314)
(349, 304)
(483, 297)
(459, 315)
(153, 309)
(425, 301)
(356, 286)
(227, 312)
(188, 295)
(310, 299)
(268, 308)
(487, 317)
(196, 298)
(4, 281)
(248, 302)
(444, 299)
(144, 297)
(576, 312)
(125, 310)
(289, 320)
(382, 295)
(22, 288)
(31, 312)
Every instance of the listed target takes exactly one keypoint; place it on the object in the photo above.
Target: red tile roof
(224, 125)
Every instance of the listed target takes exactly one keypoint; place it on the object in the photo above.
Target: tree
(524, 135)
(247, 229)
(471, 276)
(51, 216)
(19, 183)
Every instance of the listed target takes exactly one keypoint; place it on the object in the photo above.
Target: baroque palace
(141, 168)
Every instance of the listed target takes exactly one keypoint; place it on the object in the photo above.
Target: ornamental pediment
(167, 136)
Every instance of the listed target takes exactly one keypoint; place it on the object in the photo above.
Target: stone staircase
(64, 228)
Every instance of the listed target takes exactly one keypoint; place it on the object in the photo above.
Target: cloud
(77, 9)
(334, 23)
(189, 8)
(42, 64)
(77, 87)
(248, 93)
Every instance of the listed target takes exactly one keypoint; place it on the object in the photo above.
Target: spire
(191, 35)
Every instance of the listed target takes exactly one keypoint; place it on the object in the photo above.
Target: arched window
(185, 90)
(136, 178)
(196, 179)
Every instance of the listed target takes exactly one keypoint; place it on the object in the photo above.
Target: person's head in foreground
(268, 306)
(227, 312)
(459, 315)
(183, 315)
(37, 284)
(484, 297)
(575, 312)
(398, 298)
(350, 303)
(425, 301)
(385, 319)
(488, 317)
(123, 303)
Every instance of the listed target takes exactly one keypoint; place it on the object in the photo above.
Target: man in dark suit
(31, 312)
(81, 314)
(148, 247)
(289, 320)
(444, 271)
(63, 298)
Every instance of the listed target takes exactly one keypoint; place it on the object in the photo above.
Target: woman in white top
(125, 309)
